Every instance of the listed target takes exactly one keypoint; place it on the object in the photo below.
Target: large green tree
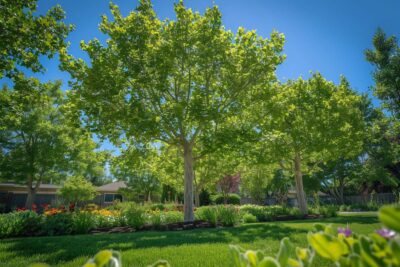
(385, 56)
(171, 81)
(313, 121)
(25, 35)
(38, 142)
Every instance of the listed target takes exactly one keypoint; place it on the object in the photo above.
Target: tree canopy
(25, 35)
(171, 81)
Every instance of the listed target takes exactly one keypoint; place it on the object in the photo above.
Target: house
(109, 193)
(14, 195)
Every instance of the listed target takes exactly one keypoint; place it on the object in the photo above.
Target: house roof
(42, 186)
(112, 187)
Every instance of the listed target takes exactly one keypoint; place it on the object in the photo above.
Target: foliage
(40, 139)
(233, 199)
(204, 198)
(249, 218)
(83, 222)
(208, 213)
(134, 215)
(19, 224)
(313, 121)
(386, 58)
(228, 215)
(76, 189)
(58, 224)
(228, 184)
(341, 247)
(205, 246)
(26, 36)
(175, 83)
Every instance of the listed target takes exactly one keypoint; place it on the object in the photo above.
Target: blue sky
(328, 36)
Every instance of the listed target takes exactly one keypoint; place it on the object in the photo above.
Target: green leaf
(269, 262)
(103, 257)
(390, 217)
(327, 246)
(283, 254)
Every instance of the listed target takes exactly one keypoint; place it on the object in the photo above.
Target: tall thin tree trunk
(30, 198)
(188, 172)
(196, 191)
(31, 192)
(298, 176)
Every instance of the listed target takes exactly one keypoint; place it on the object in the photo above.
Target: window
(108, 198)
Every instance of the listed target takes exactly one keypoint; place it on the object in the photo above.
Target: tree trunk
(149, 197)
(30, 198)
(196, 191)
(188, 172)
(298, 177)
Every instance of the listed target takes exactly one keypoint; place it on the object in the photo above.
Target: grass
(200, 247)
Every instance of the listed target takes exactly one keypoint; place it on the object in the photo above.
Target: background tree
(171, 81)
(38, 142)
(313, 121)
(25, 36)
(386, 58)
(229, 184)
(131, 166)
(33, 137)
(77, 189)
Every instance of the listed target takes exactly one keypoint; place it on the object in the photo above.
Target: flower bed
(129, 217)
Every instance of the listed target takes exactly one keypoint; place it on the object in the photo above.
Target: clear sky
(329, 36)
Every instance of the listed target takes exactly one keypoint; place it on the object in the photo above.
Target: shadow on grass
(344, 219)
(67, 248)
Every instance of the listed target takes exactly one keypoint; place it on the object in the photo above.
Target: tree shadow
(67, 248)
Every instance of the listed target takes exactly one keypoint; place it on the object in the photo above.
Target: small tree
(76, 189)
(229, 184)
(313, 121)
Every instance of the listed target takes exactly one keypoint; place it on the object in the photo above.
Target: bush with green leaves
(134, 215)
(342, 247)
(249, 218)
(58, 224)
(82, 222)
(228, 215)
(207, 213)
(233, 199)
(20, 223)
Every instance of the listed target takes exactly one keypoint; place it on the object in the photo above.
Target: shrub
(58, 224)
(259, 212)
(295, 212)
(208, 213)
(204, 198)
(157, 206)
(155, 218)
(228, 215)
(233, 199)
(134, 215)
(249, 218)
(20, 223)
(77, 189)
(173, 216)
(328, 211)
(83, 222)
(108, 218)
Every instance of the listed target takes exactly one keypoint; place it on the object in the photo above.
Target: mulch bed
(180, 226)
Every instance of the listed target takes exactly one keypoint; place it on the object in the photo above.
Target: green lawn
(201, 247)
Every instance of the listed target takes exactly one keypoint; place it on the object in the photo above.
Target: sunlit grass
(200, 247)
